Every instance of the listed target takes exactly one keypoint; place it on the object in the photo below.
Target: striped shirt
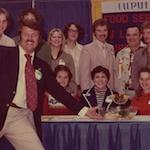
(100, 96)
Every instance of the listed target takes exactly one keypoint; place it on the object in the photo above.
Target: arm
(63, 96)
(59, 92)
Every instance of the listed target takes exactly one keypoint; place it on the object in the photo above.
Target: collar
(100, 44)
(59, 54)
(22, 53)
(142, 44)
(77, 45)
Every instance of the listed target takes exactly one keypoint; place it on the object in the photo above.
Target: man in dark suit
(19, 120)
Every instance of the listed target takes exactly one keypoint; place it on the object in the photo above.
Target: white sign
(125, 6)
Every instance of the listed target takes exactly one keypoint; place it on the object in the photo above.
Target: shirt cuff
(83, 111)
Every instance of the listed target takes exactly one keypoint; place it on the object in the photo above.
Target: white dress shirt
(20, 97)
(75, 53)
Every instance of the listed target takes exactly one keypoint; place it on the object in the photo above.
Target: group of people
(24, 79)
(66, 73)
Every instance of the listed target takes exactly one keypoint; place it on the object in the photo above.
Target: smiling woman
(51, 105)
(56, 55)
(99, 93)
(4, 22)
(142, 99)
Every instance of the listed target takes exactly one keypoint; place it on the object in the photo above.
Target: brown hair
(63, 68)
(145, 25)
(100, 22)
(99, 69)
(32, 11)
(6, 13)
(79, 28)
(31, 24)
(139, 90)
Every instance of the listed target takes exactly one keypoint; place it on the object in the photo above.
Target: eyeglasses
(74, 31)
(101, 30)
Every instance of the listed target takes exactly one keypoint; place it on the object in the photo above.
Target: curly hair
(99, 69)
(79, 28)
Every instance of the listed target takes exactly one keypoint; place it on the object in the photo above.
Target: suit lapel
(35, 63)
(91, 97)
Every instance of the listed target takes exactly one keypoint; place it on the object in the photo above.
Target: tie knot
(28, 57)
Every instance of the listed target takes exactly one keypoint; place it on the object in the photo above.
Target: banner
(121, 14)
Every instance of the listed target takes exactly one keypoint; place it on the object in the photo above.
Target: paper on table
(48, 118)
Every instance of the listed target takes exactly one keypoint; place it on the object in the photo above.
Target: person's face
(62, 78)
(144, 81)
(29, 39)
(29, 17)
(133, 37)
(100, 81)
(3, 23)
(146, 35)
(56, 39)
(101, 33)
(73, 33)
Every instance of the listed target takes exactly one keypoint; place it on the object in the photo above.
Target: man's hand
(92, 113)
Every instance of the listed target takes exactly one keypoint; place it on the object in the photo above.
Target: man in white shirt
(4, 21)
(21, 118)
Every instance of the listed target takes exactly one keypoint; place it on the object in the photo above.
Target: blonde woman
(55, 55)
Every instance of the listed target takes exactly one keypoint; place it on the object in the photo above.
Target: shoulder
(89, 49)
(134, 100)
(8, 53)
(8, 41)
(123, 52)
(66, 55)
(80, 46)
(5, 49)
(41, 63)
(91, 90)
(142, 52)
(90, 45)
(110, 45)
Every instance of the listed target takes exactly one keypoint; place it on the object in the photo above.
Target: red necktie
(31, 85)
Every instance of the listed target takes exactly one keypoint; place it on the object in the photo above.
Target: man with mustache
(124, 60)
(142, 56)
(96, 53)
(21, 101)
